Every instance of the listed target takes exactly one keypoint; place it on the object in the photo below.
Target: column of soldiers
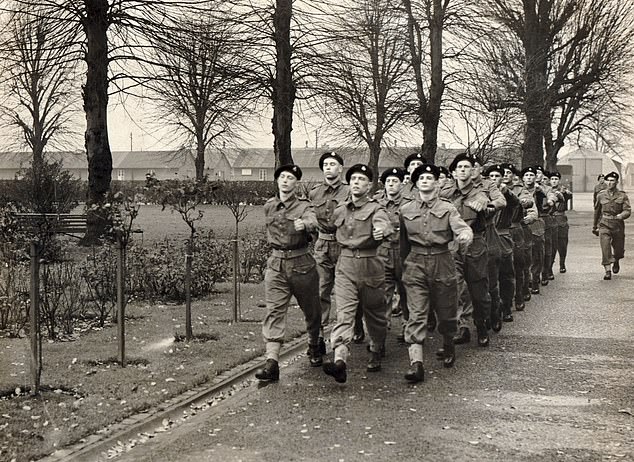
(452, 248)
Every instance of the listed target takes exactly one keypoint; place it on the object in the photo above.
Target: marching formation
(453, 249)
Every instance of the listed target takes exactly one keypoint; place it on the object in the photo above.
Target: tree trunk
(553, 146)
(95, 94)
(199, 162)
(283, 86)
(537, 107)
(373, 162)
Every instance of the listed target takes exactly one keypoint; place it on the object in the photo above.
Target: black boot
(463, 336)
(270, 372)
(483, 337)
(508, 317)
(336, 370)
(415, 373)
(431, 321)
(520, 306)
(616, 267)
(447, 354)
(322, 346)
(374, 365)
(314, 355)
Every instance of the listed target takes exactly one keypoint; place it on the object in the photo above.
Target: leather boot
(483, 337)
(322, 346)
(336, 370)
(270, 372)
(616, 267)
(463, 336)
(374, 365)
(449, 355)
(315, 356)
(415, 373)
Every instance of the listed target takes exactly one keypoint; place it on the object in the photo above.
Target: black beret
(612, 175)
(444, 170)
(395, 171)
(601, 175)
(412, 157)
(495, 168)
(539, 168)
(425, 168)
(512, 168)
(291, 168)
(555, 173)
(460, 157)
(529, 170)
(359, 168)
(329, 155)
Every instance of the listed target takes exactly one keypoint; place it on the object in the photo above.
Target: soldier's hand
(464, 239)
(595, 231)
(526, 203)
(299, 224)
(377, 234)
(618, 216)
(551, 203)
(478, 204)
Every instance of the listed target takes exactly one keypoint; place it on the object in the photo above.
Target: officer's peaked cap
(612, 175)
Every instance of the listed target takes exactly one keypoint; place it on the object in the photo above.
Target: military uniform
(611, 229)
(561, 221)
(538, 230)
(503, 223)
(472, 263)
(325, 198)
(523, 215)
(359, 274)
(290, 271)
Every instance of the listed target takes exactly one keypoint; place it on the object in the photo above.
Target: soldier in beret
(325, 197)
(472, 201)
(546, 210)
(427, 225)
(290, 271)
(411, 162)
(361, 223)
(611, 208)
(561, 220)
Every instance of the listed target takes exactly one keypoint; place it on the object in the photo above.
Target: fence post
(188, 293)
(36, 356)
(120, 299)
(236, 275)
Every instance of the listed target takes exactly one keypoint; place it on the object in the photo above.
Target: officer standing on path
(290, 270)
(428, 224)
(325, 197)
(611, 208)
(561, 220)
(361, 223)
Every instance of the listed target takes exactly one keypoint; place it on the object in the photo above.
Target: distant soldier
(290, 270)
(542, 181)
(600, 186)
(361, 223)
(611, 208)
(428, 224)
(325, 197)
(411, 162)
(561, 220)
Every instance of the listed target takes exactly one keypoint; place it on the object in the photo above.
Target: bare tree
(362, 78)
(574, 57)
(198, 86)
(38, 83)
(111, 33)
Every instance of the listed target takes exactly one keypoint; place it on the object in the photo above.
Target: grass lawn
(85, 390)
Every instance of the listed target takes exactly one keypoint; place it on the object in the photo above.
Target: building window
(120, 175)
(246, 172)
(262, 175)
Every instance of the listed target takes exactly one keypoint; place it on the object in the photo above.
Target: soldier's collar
(285, 203)
(360, 203)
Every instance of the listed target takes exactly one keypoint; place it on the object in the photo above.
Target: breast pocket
(412, 222)
(362, 222)
(439, 222)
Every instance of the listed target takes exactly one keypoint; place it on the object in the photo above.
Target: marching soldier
(611, 208)
(361, 223)
(471, 200)
(428, 224)
(542, 181)
(561, 220)
(325, 197)
(411, 162)
(290, 270)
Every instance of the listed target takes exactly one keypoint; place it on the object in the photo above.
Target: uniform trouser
(359, 283)
(430, 282)
(507, 274)
(553, 252)
(326, 256)
(548, 247)
(286, 277)
(528, 259)
(537, 262)
(562, 239)
(473, 267)
(518, 263)
(612, 238)
(493, 270)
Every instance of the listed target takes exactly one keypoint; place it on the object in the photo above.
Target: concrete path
(555, 385)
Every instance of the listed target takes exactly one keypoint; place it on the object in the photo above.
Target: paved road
(557, 384)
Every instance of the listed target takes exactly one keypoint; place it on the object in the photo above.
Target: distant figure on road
(600, 186)
(610, 209)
